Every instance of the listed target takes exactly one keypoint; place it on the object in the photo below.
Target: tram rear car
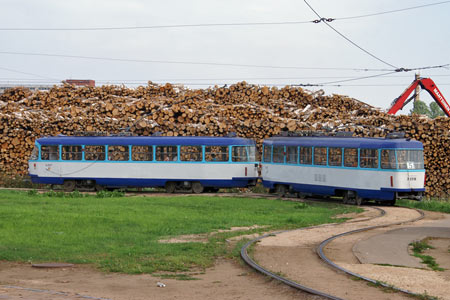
(357, 169)
(195, 163)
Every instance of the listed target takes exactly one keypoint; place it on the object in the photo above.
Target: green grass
(427, 204)
(418, 248)
(121, 233)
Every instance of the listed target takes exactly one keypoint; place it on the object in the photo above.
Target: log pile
(249, 110)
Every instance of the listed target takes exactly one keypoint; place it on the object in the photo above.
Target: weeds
(418, 248)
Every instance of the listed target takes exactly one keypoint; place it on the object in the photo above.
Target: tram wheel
(69, 186)
(171, 187)
(98, 187)
(197, 188)
(358, 200)
(281, 190)
(346, 198)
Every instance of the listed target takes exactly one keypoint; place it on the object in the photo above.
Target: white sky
(409, 39)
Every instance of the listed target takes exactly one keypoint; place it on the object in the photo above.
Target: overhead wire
(190, 62)
(216, 24)
(349, 40)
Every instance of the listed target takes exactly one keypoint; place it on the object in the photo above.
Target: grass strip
(121, 234)
(432, 204)
(418, 248)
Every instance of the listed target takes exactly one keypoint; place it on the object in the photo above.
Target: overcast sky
(409, 39)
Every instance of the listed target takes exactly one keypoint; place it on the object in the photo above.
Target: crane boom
(426, 84)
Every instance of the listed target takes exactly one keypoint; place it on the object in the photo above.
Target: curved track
(296, 285)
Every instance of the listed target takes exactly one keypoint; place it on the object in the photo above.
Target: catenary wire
(392, 11)
(216, 24)
(25, 73)
(190, 62)
(350, 41)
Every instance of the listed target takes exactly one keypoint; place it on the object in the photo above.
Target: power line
(25, 73)
(350, 41)
(190, 62)
(216, 24)
(393, 11)
(345, 80)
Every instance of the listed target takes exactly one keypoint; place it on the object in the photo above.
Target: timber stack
(248, 110)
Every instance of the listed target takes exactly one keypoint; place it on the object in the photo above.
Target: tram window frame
(335, 156)
(351, 159)
(166, 153)
(50, 152)
(320, 156)
(278, 154)
(306, 155)
(240, 154)
(387, 159)
(141, 153)
(118, 153)
(292, 157)
(267, 153)
(96, 155)
(190, 153)
(72, 152)
(368, 158)
(405, 161)
(217, 153)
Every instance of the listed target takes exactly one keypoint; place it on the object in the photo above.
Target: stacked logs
(249, 110)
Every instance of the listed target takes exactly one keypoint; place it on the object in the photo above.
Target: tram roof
(342, 142)
(144, 140)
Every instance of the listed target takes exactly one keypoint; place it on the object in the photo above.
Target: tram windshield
(410, 159)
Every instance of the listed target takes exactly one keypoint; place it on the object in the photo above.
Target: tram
(356, 169)
(175, 163)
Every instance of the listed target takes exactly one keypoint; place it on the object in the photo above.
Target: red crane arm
(432, 89)
(399, 102)
(428, 85)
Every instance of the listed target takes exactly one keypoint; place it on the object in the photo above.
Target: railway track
(320, 251)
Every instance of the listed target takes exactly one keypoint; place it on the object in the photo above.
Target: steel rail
(328, 261)
(254, 265)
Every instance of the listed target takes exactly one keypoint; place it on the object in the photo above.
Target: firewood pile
(248, 110)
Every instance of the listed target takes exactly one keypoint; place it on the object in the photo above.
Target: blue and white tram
(358, 169)
(196, 163)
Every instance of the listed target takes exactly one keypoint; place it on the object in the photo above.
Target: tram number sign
(320, 178)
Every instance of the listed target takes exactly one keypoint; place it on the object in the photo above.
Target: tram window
(410, 159)
(191, 153)
(50, 152)
(292, 155)
(35, 153)
(118, 153)
(320, 156)
(94, 152)
(239, 153)
(351, 157)
(216, 153)
(335, 157)
(368, 158)
(166, 153)
(388, 159)
(72, 152)
(142, 153)
(278, 154)
(305, 155)
(267, 157)
(251, 151)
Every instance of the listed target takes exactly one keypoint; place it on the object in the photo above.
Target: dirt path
(291, 254)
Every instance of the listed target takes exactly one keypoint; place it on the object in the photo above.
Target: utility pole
(416, 95)
(417, 91)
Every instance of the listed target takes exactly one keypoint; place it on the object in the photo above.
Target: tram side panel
(371, 184)
(144, 174)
